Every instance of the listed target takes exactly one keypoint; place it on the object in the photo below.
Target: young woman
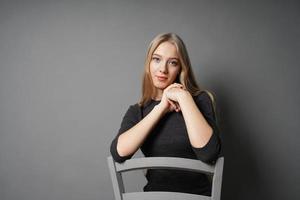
(173, 118)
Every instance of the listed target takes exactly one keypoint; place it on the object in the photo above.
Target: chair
(116, 169)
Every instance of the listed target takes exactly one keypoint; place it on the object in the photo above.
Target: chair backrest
(187, 164)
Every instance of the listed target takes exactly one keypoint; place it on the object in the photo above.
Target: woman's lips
(161, 78)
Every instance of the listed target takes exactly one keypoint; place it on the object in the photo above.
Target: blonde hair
(185, 77)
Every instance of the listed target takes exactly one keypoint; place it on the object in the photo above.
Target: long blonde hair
(185, 77)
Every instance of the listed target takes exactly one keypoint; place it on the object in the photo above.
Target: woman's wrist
(183, 95)
(159, 108)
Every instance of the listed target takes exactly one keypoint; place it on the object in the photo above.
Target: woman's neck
(158, 95)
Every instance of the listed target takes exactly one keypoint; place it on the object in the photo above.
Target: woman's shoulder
(134, 111)
(206, 102)
(134, 107)
(204, 97)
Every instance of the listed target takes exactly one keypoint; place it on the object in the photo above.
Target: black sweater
(169, 138)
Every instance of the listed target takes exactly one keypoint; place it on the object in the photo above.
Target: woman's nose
(163, 67)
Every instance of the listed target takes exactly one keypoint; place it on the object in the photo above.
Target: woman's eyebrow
(161, 56)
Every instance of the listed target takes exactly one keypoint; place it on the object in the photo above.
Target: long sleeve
(130, 118)
(210, 152)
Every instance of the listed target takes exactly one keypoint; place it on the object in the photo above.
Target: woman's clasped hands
(170, 97)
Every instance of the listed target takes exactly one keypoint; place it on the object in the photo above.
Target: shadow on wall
(241, 169)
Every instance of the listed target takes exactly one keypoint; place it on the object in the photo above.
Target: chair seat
(163, 196)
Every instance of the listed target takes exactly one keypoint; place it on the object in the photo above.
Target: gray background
(69, 71)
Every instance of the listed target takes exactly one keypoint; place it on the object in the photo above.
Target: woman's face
(164, 65)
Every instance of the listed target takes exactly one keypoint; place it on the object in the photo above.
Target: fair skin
(165, 63)
(174, 97)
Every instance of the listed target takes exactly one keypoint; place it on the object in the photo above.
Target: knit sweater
(169, 138)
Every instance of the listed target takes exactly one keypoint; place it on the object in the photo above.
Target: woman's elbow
(210, 156)
(209, 159)
(115, 155)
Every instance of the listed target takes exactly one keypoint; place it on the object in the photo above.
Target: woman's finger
(177, 107)
(174, 86)
(179, 85)
(172, 104)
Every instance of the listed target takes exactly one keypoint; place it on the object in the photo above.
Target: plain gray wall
(69, 71)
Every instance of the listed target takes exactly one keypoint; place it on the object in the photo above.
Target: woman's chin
(161, 85)
(161, 88)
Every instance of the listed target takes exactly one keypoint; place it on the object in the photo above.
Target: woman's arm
(129, 142)
(201, 126)
(195, 121)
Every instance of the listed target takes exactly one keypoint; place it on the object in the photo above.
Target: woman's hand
(169, 100)
(174, 93)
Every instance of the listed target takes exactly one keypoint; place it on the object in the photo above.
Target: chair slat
(165, 163)
(163, 196)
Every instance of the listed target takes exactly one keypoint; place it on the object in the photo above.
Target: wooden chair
(116, 169)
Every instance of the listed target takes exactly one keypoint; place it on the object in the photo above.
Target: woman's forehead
(166, 49)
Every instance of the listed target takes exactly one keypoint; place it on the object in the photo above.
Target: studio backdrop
(70, 69)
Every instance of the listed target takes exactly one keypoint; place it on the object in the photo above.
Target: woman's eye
(155, 59)
(174, 63)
